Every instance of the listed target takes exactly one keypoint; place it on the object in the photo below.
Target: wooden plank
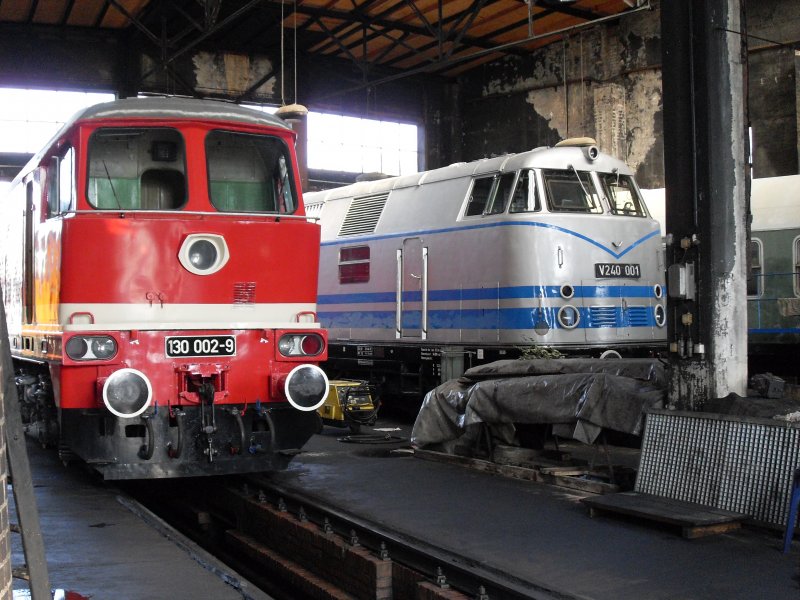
(20, 471)
(695, 520)
(523, 473)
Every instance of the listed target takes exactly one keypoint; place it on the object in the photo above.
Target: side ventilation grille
(244, 292)
(363, 215)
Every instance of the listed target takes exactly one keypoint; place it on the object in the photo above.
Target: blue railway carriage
(773, 284)
(424, 275)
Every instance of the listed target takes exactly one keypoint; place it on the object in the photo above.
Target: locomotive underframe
(409, 371)
(184, 441)
(179, 446)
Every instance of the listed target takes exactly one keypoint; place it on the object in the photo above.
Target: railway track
(295, 546)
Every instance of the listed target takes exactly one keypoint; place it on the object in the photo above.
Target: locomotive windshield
(250, 173)
(137, 169)
(569, 190)
(622, 194)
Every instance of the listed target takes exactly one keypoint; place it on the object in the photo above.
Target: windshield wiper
(111, 183)
(588, 195)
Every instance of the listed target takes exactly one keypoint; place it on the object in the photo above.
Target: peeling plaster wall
(603, 82)
(218, 74)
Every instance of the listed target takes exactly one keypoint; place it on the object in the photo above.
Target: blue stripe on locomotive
(404, 234)
(503, 293)
(478, 318)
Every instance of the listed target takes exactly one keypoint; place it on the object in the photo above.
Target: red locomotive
(159, 277)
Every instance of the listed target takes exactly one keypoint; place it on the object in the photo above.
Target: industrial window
(136, 168)
(354, 264)
(622, 195)
(796, 261)
(755, 268)
(30, 118)
(250, 173)
(355, 145)
(525, 198)
(571, 191)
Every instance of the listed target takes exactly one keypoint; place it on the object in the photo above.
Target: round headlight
(202, 255)
(104, 347)
(568, 316)
(288, 345)
(660, 315)
(127, 393)
(76, 348)
(306, 387)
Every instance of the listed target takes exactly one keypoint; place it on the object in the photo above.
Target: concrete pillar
(705, 138)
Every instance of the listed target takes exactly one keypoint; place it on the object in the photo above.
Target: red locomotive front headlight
(127, 393)
(306, 387)
(203, 253)
(301, 344)
(311, 345)
(91, 347)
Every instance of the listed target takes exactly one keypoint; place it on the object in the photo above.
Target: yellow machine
(349, 404)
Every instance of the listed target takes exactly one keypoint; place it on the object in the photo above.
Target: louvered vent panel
(244, 292)
(603, 316)
(637, 316)
(363, 215)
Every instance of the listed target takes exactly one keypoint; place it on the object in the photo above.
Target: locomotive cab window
(622, 195)
(502, 194)
(137, 169)
(250, 173)
(525, 198)
(479, 196)
(61, 190)
(570, 191)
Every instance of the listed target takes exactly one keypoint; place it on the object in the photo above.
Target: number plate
(617, 270)
(202, 345)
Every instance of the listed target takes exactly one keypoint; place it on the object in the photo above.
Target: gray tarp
(577, 395)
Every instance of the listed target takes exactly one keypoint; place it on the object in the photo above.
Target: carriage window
(755, 268)
(571, 191)
(525, 198)
(354, 264)
(502, 194)
(621, 194)
(250, 173)
(479, 196)
(137, 169)
(796, 257)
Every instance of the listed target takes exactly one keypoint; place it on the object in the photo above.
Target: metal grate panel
(734, 463)
(363, 214)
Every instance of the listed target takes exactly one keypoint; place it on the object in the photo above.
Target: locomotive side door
(412, 290)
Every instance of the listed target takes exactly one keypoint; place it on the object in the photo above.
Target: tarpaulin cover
(579, 395)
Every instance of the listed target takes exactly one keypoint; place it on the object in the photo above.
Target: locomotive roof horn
(587, 144)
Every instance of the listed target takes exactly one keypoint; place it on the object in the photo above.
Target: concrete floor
(97, 548)
(540, 533)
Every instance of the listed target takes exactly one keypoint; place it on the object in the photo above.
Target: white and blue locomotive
(424, 275)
